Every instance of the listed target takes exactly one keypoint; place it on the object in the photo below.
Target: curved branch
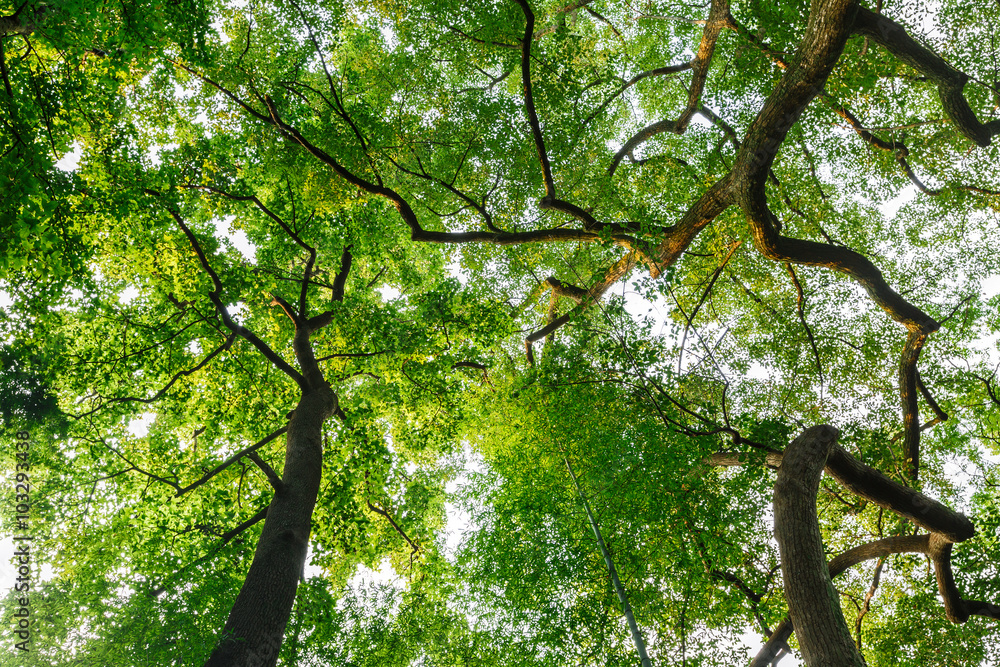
(413, 547)
(751, 595)
(941, 415)
(549, 201)
(721, 123)
(660, 71)
(263, 208)
(215, 296)
(868, 483)
(529, 98)
(950, 81)
(230, 461)
(899, 149)
(480, 207)
(718, 18)
(901, 159)
(340, 281)
(938, 547)
(272, 477)
(868, 599)
(956, 608)
(678, 237)
(559, 288)
(612, 275)
(177, 376)
(826, 33)
(417, 233)
(843, 260)
(287, 309)
(800, 303)
(640, 137)
(222, 89)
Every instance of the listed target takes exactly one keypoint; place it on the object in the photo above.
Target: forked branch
(216, 297)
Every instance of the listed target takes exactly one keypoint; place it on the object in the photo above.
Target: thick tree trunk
(253, 633)
(877, 549)
(813, 602)
(640, 644)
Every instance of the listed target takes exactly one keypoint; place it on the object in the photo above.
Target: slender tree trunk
(253, 633)
(640, 644)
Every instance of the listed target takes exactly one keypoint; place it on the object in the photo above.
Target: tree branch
(529, 99)
(184, 373)
(215, 296)
(640, 137)
(868, 483)
(272, 476)
(839, 564)
(718, 18)
(908, 397)
(950, 82)
(226, 538)
(867, 603)
(231, 460)
(800, 302)
(340, 281)
(413, 547)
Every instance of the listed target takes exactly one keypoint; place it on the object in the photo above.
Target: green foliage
(238, 122)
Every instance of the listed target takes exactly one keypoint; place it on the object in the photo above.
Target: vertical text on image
(22, 541)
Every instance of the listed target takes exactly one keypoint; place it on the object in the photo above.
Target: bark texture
(253, 633)
(877, 549)
(813, 602)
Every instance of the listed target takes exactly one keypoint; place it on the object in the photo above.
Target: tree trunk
(253, 633)
(640, 644)
(813, 602)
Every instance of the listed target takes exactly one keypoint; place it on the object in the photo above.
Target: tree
(726, 158)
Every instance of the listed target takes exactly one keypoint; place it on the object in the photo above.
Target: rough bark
(813, 602)
(865, 481)
(827, 31)
(956, 608)
(799, 532)
(14, 24)
(728, 459)
(877, 549)
(254, 630)
(256, 624)
(870, 484)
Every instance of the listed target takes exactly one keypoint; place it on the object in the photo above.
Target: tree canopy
(612, 331)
